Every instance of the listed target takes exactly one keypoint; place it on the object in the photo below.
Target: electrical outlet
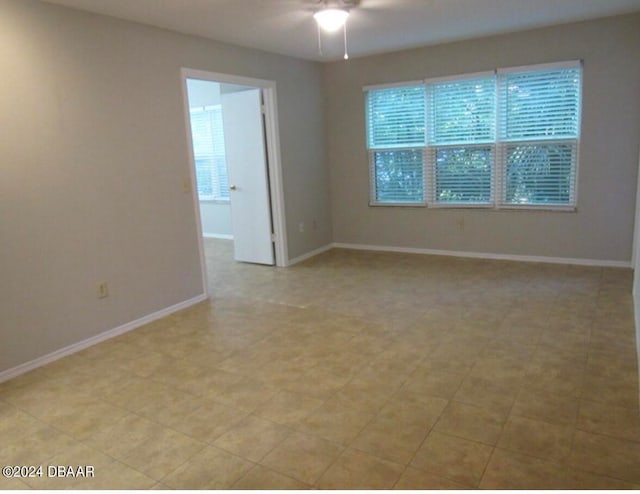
(186, 185)
(301, 226)
(460, 223)
(103, 290)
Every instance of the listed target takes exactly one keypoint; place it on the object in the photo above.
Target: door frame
(274, 163)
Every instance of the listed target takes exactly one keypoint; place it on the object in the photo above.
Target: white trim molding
(486, 255)
(310, 254)
(568, 64)
(636, 318)
(99, 338)
(274, 159)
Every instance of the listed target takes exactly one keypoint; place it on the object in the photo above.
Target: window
(396, 126)
(209, 155)
(539, 130)
(498, 139)
(462, 116)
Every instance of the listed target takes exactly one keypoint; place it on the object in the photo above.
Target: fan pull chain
(344, 30)
(319, 40)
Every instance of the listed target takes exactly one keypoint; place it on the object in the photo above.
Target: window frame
(498, 147)
(372, 150)
(210, 198)
(432, 145)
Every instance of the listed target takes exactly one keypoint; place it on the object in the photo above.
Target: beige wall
(94, 154)
(603, 226)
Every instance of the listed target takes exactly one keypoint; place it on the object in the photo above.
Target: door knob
(232, 187)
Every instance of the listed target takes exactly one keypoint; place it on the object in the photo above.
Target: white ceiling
(375, 26)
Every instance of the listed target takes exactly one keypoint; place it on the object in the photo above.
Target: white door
(247, 170)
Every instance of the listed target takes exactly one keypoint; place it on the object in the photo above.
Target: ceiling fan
(330, 16)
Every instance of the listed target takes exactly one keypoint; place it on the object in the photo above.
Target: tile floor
(351, 370)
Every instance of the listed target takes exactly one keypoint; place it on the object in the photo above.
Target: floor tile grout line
(168, 474)
(484, 471)
(563, 466)
(260, 465)
(91, 447)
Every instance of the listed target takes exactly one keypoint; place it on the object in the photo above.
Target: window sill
(484, 207)
(397, 204)
(529, 207)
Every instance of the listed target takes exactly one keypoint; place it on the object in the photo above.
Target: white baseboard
(485, 255)
(106, 335)
(636, 314)
(308, 255)
(218, 235)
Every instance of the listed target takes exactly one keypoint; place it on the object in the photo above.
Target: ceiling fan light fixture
(331, 19)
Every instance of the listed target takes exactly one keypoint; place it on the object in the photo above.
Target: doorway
(235, 164)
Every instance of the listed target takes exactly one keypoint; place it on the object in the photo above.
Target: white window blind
(540, 174)
(504, 139)
(540, 105)
(396, 117)
(396, 138)
(209, 153)
(462, 112)
(461, 122)
(399, 176)
(539, 130)
(463, 175)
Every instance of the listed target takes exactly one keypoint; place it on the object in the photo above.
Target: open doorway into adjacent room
(235, 165)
